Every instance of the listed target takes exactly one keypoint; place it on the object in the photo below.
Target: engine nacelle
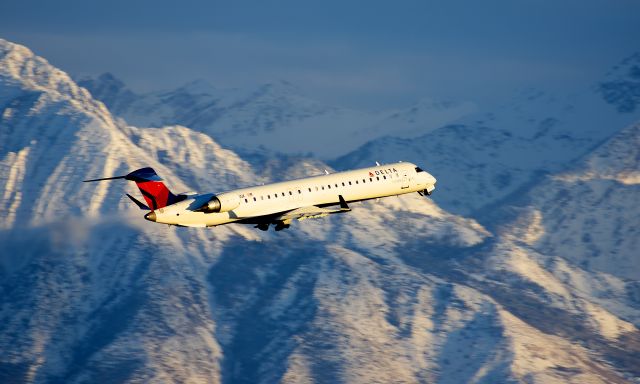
(221, 203)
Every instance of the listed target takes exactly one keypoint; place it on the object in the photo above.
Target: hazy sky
(362, 53)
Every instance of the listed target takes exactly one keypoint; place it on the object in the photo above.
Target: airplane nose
(151, 216)
(431, 179)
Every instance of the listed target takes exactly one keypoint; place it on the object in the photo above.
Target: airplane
(276, 204)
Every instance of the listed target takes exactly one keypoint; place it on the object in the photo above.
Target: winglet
(343, 204)
(138, 203)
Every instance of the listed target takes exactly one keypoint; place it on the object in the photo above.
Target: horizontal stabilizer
(139, 175)
(138, 203)
(105, 178)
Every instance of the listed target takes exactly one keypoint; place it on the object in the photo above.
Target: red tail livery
(155, 193)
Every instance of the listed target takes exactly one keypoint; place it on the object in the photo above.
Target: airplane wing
(309, 212)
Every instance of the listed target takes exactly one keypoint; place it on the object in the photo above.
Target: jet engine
(221, 203)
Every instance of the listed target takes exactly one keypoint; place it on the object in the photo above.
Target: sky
(362, 54)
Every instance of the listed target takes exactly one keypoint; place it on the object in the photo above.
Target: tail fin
(155, 193)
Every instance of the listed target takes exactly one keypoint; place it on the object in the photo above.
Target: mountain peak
(280, 87)
(198, 87)
(109, 78)
(107, 88)
(24, 67)
(618, 159)
(105, 83)
(7, 47)
(622, 85)
(279, 84)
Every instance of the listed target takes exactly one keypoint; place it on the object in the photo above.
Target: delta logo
(382, 172)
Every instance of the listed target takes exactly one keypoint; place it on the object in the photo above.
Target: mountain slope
(621, 88)
(76, 277)
(595, 208)
(396, 290)
(574, 238)
(275, 116)
(486, 157)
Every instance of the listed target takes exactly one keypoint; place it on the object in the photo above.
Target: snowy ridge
(396, 290)
(423, 116)
(275, 116)
(595, 209)
(19, 65)
(621, 88)
(486, 157)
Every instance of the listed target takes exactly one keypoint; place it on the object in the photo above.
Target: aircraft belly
(195, 219)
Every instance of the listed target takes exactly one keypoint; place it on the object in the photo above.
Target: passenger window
(309, 189)
(246, 201)
(378, 178)
(371, 179)
(261, 197)
(283, 194)
(364, 181)
(343, 184)
(254, 199)
(323, 187)
(269, 197)
(356, 181)
(384, 177)
(349, 183)
(290, 193)
(329, 186)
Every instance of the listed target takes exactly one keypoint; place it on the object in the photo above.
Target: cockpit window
(418, 169)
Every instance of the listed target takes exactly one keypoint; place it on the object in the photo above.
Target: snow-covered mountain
(589, 213)
(274, 117)
(485, 157)
(573, 238)
(398, 290)
(621, 88)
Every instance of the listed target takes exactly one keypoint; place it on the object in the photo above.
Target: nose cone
(151, 216)
(428, 178)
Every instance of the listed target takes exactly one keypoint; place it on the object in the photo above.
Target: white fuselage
(272, 199)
